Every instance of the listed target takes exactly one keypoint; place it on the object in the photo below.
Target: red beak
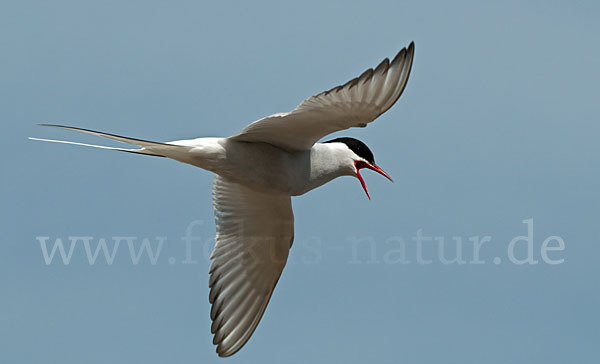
(360, 164)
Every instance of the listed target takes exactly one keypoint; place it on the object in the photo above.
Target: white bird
(258, 170)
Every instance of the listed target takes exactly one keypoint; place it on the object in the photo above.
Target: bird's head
(360, 156)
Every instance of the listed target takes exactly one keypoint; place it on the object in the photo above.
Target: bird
(258, 170)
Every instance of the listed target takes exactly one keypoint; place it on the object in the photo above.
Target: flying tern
(256, 173)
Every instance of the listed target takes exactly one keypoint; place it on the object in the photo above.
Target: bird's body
(262, 166)
(258, 170)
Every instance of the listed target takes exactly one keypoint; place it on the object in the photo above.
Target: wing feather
(353, 104)
(254, 234)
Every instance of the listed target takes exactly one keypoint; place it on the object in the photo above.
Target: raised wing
(353, 104)
(254, 233)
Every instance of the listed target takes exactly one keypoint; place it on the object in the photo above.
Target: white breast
(267, 168)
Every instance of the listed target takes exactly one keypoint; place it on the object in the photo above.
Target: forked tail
(146, 147)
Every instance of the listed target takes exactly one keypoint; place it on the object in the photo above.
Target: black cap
(359, 148)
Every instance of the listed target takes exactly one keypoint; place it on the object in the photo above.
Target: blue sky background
(499, 123)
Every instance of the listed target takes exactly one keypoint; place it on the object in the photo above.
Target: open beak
(360, 165)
